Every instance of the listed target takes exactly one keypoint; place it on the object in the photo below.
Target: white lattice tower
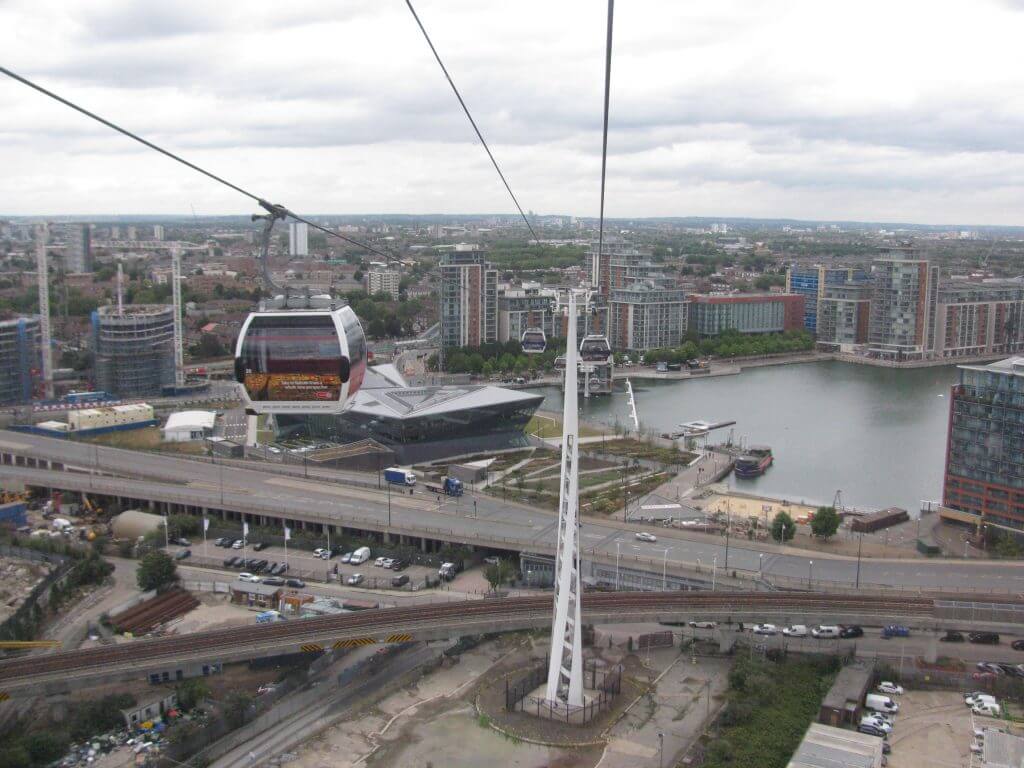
(565, 667)
(179, 361)
(45, 334)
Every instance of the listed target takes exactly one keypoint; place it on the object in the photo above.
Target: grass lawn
(146, 439)
(548, 426)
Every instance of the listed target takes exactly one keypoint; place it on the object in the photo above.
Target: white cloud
(874, 110)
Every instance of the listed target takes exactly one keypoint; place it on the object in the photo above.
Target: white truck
(880, 703)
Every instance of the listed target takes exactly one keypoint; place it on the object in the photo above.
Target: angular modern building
(469, 298)
(134, 349)
(753, 313)
(422, 424)
(647, 314)
(903, 305)
(20, 360)
(812, 282)
(984, 479)
(843, 315)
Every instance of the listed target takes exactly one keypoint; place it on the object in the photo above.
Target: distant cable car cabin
(300, 361)
(595, 348)
(534, 341)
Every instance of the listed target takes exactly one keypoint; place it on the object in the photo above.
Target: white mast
(565, 667)
(42, 268)
(632, 407)
(179, 363)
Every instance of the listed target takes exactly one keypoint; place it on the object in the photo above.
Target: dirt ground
(213, 612)
(932, 730)
(17, 578)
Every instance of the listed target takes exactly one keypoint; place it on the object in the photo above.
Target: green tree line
(734, 344)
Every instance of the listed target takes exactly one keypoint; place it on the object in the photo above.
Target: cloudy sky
(905, 110)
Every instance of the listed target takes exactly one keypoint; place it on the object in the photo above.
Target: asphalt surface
(476, 519)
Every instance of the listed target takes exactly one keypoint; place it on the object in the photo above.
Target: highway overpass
(60, 673)
(269, 494)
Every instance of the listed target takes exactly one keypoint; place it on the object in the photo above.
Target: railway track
(392, 619)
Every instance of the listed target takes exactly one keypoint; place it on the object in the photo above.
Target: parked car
(388, 562)
(230, 561)
(984, 676)
(274, 581)
(877, 722)
(259, 546)
(984, 638)
(249, 577)
(318, 552)
(1017, 645)
(976, 697)
(236, 544)
(987, 708)
(400, 581)
(891, 688)
(296, 583)
(400, 565)
(851, 631)
(222, 541)
(347, 557)
(183, 554)
(703, 624)
(181, 541)
(355, 579)
(644, 536)
(379, 562)
(951, 636)
(491, 560)
(895, 630)
(871, 730)
(797, 630)
(990, 666)
(765, 629)
(825, 632)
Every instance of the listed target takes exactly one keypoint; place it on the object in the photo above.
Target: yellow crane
(21, 645)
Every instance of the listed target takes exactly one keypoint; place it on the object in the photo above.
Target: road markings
(399, 638)
(355, 642)
(312, 648)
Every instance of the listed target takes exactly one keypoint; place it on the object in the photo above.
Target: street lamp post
(389, 505)
(810, 569)
(664, 563)
(714, 572)
(860, 543)
(728, 525)
(617, 545)
(661, 749)
(760, 566)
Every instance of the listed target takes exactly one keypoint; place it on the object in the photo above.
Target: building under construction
(134, 349)
(20, 360)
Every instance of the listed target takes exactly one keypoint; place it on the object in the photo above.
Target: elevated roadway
(60, 673)
(351, 500)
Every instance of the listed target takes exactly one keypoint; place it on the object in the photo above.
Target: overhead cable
(472, 122)
(604, 138)
(270, 207)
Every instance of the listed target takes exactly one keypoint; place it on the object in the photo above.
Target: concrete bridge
(174, 658)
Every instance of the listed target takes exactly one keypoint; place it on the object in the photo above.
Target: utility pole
(860, 543)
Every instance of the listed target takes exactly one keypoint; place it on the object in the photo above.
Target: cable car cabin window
(293, 359)
(356, 349)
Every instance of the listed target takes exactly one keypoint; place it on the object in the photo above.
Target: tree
(210, 346)
(825, 523)
(498, 573)
(156, 570)
(191, 692)
(183, 525)
(783, 527)
(236, 706)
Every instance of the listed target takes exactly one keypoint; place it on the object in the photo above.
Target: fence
(607, 684)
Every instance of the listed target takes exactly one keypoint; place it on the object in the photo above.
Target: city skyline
(795, 121)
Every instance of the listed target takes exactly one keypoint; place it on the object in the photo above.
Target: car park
(183, 554)
(400, 565)
(259, 546)
(355, 579)
(851, 631)
(318, 551)
(230, 561)
(703, 624)
(987, 709)
(952, 636)
(274, 581)
(648, 537)
(236, 544)
(379, 562)
(797, 630)
(295, 583)
(984, 638)
(765, 629)
(388, 562)
(400, 581)
(181, 541)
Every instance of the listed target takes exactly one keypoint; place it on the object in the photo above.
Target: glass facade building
(984, 480)
(711, 314)
(469, 298)
(20, 360)
(812, 282)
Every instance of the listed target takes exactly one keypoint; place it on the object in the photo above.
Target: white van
(989, 708)
(825, 632)
(880, 703)
(360, 556)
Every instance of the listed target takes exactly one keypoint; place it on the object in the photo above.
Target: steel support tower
(43, 271)
(179, 362)
(565, 668)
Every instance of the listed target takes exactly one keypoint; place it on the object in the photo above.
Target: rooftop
(191, 420)
(1002, 750)
(1011, 365)
(827, 747)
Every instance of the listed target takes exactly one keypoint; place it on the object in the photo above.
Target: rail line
(394, 619)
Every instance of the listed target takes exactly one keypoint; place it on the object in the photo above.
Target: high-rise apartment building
(134, 349)
(158, 231)
(843, 315)
(20, 360)
(383, 281)
(527, 307)
(811, 283)
(78, 249)
(647, 314)
(469, 298)
(903, 305)
(753, 313)
(298, 238)
(979, 318)
(984, 480)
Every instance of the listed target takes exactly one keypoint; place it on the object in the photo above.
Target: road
(476, 518)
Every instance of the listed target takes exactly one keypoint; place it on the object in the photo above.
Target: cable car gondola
(534, 341)
(300, 361)
(595, 348)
